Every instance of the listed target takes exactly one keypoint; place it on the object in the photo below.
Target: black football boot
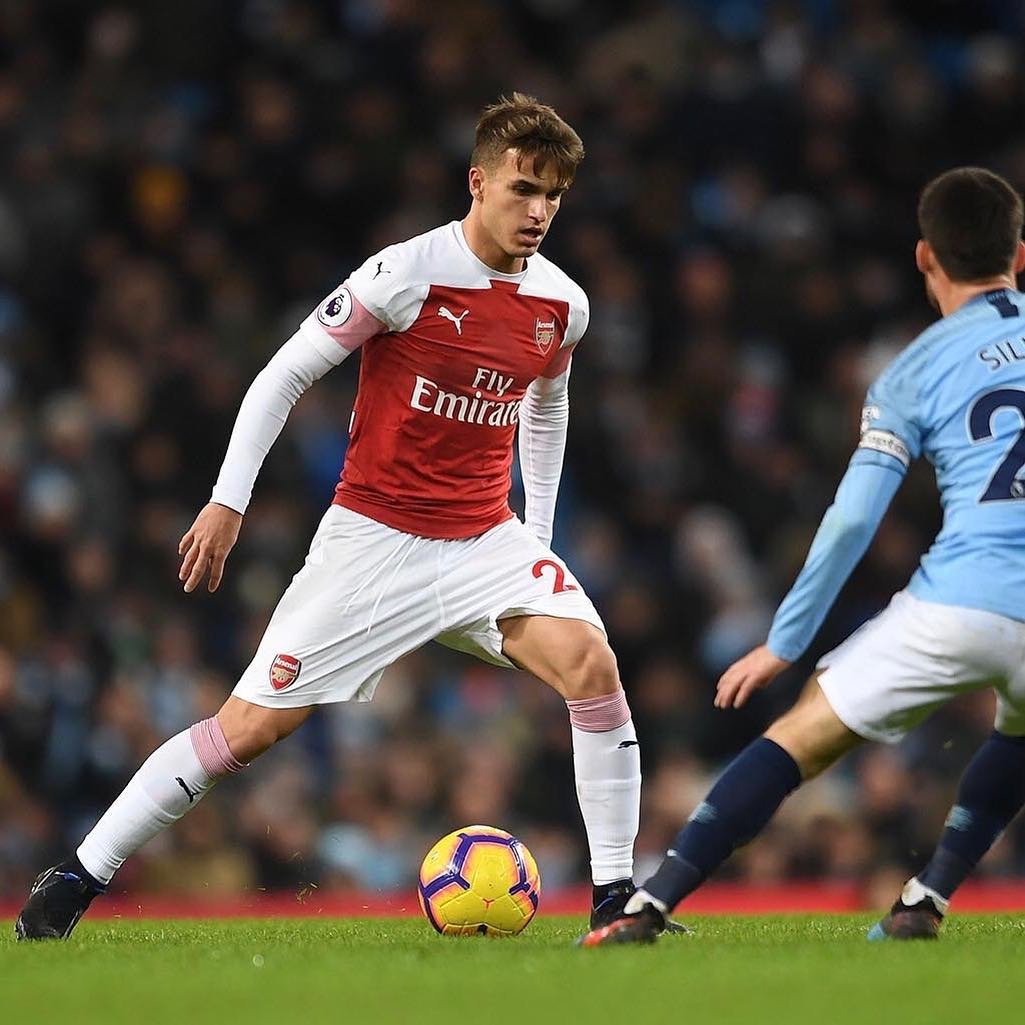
(58, 899)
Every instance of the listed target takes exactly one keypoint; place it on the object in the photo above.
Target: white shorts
(368, 594)
(916, 655)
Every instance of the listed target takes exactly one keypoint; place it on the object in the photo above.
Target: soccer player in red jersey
(466, 335)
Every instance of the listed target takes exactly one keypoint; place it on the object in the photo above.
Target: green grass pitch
(789, 969)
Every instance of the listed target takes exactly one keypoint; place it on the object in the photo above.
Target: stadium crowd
(181, 186)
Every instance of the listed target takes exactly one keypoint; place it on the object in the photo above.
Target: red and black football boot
(643, 927)
(608, 902)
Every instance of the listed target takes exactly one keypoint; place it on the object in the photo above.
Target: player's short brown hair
(534, 130)
(972, 218)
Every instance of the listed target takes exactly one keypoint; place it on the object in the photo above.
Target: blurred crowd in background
(181, 183)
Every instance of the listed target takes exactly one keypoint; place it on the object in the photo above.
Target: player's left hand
(758, 668)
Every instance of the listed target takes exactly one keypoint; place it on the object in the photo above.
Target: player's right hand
(206, 544)
(758, 668)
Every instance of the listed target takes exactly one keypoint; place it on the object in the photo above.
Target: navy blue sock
(736, 809)
(991, 793)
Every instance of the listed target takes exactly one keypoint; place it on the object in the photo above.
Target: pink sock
(211, 747)
(601, 714)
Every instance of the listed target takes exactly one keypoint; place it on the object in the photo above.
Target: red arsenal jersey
(440, 386)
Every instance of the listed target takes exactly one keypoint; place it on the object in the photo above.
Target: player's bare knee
(251, 729)
(593, 673)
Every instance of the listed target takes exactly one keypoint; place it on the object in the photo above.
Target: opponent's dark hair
(972, 218)
(534, 130)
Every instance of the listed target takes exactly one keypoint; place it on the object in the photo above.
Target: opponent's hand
(758, 668)
(206, 544)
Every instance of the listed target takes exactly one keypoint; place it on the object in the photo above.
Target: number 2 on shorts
(560, 575)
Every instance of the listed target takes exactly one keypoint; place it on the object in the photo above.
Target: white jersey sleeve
(579, 318)
(544, 420)
(390, 286)
(264, 410)
(384, 294)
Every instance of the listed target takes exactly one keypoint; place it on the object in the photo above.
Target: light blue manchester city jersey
(957, 396)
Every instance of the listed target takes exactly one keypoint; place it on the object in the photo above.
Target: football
(479, 881)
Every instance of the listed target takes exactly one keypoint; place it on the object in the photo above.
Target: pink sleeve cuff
(358, 327)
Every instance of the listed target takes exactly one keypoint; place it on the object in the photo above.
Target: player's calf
(574, 658)
(812, 733)
(607, 768)
(991, 793)
(169, 783)
(174, 778)
(605, 746)
(250, 729)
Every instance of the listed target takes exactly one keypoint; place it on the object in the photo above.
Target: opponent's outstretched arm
(847, 528)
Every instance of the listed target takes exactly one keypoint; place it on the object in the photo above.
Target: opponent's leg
(798, 746)
(990, 795)
(173, 779)
(574, 658)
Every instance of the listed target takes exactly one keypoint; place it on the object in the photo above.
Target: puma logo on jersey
(444, 311)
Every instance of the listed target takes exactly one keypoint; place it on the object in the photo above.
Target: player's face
(517, 205)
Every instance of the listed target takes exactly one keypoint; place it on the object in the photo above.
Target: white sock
(639, 899)
(607, 765)
(167, 785)
(915, 892)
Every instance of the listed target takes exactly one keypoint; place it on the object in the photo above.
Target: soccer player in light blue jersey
(956, 395)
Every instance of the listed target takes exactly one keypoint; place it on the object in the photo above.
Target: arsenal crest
(283, 671)
(544, 334)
